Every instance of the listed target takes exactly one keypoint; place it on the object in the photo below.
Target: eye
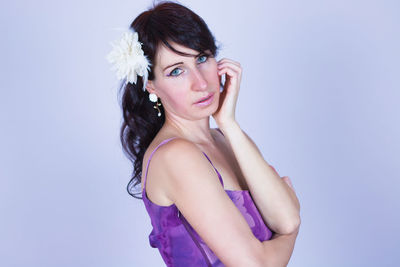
(173, 71)
(205, 58)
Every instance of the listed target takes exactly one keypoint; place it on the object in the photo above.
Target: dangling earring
(153, 98)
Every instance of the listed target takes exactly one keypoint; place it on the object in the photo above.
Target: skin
(179, 93)
(178, 87)
(241, 166)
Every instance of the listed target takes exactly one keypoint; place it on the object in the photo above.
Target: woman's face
(181, 81)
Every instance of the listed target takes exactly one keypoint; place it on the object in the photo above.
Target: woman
(211, 197)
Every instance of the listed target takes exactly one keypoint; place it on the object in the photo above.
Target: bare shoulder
(168, 157)
(176, 147)
(176, 160)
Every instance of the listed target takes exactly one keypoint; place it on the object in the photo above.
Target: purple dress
(178, 243)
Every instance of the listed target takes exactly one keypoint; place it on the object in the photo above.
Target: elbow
(290, 228)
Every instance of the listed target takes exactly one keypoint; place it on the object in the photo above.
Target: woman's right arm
(192, 184)
(281, 246)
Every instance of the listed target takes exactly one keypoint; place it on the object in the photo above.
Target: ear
(150, 87)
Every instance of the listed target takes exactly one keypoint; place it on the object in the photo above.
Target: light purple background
(319, 96)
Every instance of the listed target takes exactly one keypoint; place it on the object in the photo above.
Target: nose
(199, 82)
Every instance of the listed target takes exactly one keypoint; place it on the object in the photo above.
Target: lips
(204, 98)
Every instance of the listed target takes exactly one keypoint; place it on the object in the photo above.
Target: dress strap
(220, 131)
(151, 155)
(219, 175)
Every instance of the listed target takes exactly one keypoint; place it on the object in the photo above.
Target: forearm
(279, 249)
(275, 200)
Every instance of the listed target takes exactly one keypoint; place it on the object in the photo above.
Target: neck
(198, 131)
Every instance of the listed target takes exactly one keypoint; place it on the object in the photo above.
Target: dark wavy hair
(164, 22)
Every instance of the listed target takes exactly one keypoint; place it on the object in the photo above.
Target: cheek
(179, 100)
(212, 74)
(216, 77)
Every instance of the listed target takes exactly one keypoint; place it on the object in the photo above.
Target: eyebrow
(199, 54)
(172, 65)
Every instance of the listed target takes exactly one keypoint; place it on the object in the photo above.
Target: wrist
(228, 127)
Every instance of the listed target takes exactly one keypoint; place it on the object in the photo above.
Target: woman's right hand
(287, 180)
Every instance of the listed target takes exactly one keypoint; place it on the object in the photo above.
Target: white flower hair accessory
(129, 59)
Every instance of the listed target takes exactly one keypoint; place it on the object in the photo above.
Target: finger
(226, 60)
(234, 77)
(289, 183)
(231, 71)
(273, 168)
(287, 180)
(235, 66)
(229, 62)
